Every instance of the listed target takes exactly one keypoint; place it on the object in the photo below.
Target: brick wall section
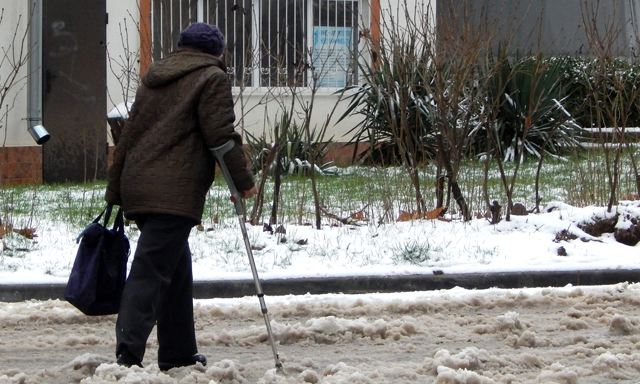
(342, 153)
(23, 165)
(20, 165)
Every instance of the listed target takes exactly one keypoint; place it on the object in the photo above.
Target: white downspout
(34, 90)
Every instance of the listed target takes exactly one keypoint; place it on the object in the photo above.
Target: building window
(273, 43)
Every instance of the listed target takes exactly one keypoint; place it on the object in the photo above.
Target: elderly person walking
(160, 175)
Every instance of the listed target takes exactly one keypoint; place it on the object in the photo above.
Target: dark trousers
(159, 291)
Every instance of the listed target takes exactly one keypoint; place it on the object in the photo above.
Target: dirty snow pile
(540, 335)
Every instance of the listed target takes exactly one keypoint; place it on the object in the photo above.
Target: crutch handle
(218, 153)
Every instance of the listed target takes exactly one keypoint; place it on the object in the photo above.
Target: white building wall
(251, 111)
(123, 44)
(260, 116)
(14, 125)
(13, 111)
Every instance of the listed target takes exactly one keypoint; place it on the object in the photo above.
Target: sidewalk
(360, 284)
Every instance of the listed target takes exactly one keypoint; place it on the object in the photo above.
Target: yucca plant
(378, 102)
(296, 152)
(526, 117)
(391, 102)
(526, 99)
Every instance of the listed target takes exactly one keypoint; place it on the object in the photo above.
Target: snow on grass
(526, 243)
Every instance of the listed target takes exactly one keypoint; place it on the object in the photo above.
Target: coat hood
(177, 65)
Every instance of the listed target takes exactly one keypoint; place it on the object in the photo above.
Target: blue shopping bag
(100, 268)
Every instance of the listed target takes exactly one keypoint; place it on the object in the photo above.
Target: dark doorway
(74, 90)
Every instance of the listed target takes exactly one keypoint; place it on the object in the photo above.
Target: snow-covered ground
(547, 335)
(526, 243)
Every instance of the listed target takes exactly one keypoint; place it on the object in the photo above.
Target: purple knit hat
(204, 37)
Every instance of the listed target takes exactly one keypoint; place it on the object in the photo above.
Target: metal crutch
(236, 198)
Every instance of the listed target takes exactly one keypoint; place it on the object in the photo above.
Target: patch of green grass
(413, 252)
(380, 193)
(383, 193)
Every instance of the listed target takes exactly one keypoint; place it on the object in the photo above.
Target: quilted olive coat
(162, 163)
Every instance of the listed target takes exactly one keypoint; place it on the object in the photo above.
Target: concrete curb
(360, 284)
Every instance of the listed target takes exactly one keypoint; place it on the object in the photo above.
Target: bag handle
(118, 224)
(107, 215)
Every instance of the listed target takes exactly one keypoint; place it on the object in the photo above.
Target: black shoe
(183, 362)
(127, 360)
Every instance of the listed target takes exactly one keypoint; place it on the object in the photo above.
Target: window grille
(272, 43)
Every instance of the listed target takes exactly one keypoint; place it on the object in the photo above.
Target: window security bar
(272, 43)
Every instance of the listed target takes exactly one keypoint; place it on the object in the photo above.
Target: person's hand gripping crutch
(236, 198)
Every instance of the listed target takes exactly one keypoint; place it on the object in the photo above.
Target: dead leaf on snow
(431, 215)
(29, 233)
(4, 230)
(406, 216)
